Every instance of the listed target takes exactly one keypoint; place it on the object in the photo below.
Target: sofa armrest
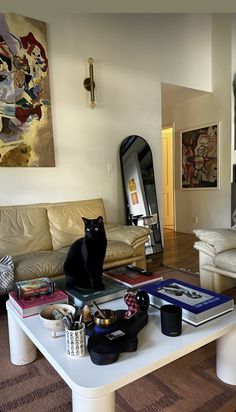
(133, 235)
(204, 248)
(218, 240)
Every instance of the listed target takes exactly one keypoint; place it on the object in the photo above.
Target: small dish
(55, 325)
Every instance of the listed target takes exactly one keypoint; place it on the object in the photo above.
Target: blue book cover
(191, 298)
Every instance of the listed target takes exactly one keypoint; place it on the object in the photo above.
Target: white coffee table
(93, 387)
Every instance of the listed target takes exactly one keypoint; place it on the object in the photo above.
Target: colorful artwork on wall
(132, 185)
(26, 136)
(134, 198)
(200, 158)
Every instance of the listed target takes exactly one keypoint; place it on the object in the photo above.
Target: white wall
(130, 54)
(212, 207)
(233, 73)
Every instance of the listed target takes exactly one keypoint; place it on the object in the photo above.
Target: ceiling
(172, 95)
(127, 6)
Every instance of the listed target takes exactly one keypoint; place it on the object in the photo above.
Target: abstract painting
(200, 159)
(26, 135)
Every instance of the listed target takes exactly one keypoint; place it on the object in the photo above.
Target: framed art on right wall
(200, 157)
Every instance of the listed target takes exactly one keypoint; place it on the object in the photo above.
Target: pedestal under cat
(83, 266)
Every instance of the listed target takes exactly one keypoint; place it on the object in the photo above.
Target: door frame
(172, 126)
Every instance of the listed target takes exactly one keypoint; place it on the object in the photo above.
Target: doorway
(168, 178)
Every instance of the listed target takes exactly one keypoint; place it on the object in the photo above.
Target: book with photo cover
(130, 278)
(33, 305)
(198, 305)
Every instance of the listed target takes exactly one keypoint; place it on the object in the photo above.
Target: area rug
(188, 384)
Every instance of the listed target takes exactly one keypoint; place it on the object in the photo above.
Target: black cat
(83, 266)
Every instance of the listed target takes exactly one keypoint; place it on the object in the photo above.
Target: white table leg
(226, 358)
(101, 404)
(22, 350)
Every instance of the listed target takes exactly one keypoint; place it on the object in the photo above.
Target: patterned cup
(76, 342)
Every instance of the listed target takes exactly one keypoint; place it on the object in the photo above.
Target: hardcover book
(130, 278)
(198, 305)
(33, 305)
(113, 290)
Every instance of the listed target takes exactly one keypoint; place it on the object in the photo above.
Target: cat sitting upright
(83, 266)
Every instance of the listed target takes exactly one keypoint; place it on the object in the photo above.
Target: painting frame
(199, 157)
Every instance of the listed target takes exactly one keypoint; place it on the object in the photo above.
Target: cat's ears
(99, 219)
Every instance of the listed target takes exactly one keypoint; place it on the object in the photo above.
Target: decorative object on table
(34, 287)
(105, 348)
(83, 266)
(33, 305)
(89, 83)
(133, 307)
(102, 315)
(142, 299)
(171, 320)
(75, 340)
(6, 274)
(199, 305)
(132, 278)
(26, 122)
(107, 320)
(113, 290)
(200, 158)
(86, 314)
(48, 320)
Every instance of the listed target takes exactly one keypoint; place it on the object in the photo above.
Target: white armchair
(217, 258)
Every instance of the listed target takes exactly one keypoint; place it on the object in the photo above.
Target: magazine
(130, 278)
(33, 305)
(199, 305)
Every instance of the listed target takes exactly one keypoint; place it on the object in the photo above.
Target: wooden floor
(178, 252)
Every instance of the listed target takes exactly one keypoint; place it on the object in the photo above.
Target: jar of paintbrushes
(75, 337)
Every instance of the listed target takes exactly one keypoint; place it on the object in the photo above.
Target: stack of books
(33, 305)
(198, 305)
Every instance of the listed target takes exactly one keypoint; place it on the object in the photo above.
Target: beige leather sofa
(38, 237)
(217, 258)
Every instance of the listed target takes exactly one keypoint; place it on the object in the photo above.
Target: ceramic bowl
(110, 318)
(53, 324)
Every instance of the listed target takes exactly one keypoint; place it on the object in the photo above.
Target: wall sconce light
(89, 83)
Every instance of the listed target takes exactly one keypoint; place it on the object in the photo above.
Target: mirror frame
(156, 244)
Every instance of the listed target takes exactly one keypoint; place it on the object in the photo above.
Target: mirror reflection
(140, 190)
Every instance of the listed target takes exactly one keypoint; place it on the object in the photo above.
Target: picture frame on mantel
(200, 157)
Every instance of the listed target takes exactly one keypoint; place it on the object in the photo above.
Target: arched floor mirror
(140, 190)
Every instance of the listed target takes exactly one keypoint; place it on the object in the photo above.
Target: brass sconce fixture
(89, 83)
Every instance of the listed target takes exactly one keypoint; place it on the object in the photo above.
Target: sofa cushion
(133, 235)
(50, 263)
(217, 239)
(226, 260)
(117, 250)
(66, 224)
(23, 230)
(38, 264)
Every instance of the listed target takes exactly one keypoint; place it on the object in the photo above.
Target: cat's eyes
(87, 230)
(96, 229)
